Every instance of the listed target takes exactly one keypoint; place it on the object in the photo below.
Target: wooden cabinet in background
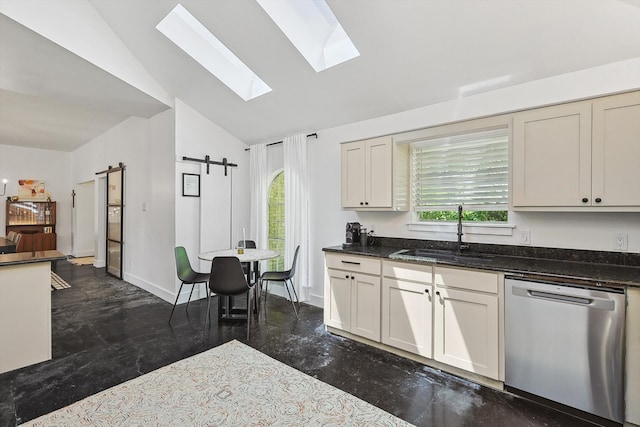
(36, 221)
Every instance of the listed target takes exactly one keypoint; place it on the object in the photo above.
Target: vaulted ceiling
(412, 53)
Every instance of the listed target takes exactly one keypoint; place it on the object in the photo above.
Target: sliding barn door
(216, 219)
(115, 219)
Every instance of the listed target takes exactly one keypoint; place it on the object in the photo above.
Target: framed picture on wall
(191, 185)
(31, 189)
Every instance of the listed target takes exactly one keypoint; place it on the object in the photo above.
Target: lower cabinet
(453, 315)
(352, 297)
(632, 376)
(467, 320)
(407, 314)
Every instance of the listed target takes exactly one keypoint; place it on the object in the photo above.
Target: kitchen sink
(435, 255)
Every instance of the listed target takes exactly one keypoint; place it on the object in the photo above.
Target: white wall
(591, 231)
(52, 167)
(196, 137)
(91, 38)
(145, 146)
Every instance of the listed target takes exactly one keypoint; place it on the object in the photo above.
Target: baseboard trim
(150, 287)
(489, 382)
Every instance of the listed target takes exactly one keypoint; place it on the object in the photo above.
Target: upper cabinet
(578, 156)
(375, 175)
(615, 147)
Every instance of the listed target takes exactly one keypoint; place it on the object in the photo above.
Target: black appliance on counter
(352, 234)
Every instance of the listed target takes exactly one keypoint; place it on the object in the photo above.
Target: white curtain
(296, 210)
(259, 187)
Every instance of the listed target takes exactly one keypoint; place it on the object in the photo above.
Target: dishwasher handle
(560, 298)
(595, 303)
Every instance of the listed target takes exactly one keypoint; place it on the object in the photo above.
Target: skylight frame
(190, 35)
(313, 29)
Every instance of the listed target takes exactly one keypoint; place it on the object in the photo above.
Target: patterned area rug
(230, 385)
(58, 282)
(87, 260)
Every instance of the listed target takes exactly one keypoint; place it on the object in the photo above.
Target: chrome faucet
(461, 246)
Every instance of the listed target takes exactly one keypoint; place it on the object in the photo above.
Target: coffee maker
(352, 234)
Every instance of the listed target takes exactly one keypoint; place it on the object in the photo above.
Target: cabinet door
(379, 172)
(407, 316)
(616, 150)
(353, 174)
(552, 156)
(337, 299)
(466, 331)
(365, 306)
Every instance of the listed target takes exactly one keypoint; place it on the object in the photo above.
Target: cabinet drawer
(404, 271)
(359, 264)
(480, 281)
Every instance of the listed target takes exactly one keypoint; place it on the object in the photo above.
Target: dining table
(227, 311)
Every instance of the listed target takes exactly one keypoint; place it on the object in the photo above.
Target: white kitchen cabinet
(578, 156)
(615, 150)
(468, 321)
(25, 314)
(337, 299)
(352, 295)
(552, 156)
(407, 314)
(632, 369)
(375, 175)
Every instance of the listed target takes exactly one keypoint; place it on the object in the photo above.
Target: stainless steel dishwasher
(565, 343)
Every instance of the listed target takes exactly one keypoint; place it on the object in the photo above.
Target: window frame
(275, 264)
(458, 128)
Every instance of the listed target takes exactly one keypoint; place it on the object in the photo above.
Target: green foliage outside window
(491, 216)
(276, 221)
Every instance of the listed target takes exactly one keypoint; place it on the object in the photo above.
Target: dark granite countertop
(29, 258)
(591, 267)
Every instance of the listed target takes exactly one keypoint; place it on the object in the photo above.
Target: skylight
(190, 35)
(313, 29)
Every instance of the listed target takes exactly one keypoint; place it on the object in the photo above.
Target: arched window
(276, 221)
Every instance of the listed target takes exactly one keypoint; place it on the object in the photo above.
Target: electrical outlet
(525, 237)
(372, 228)
(620, 242)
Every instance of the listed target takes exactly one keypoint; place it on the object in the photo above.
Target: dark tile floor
(106, 331)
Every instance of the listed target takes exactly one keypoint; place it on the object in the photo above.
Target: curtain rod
(280, 142)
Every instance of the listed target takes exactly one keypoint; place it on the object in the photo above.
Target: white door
(407, 316)
(84, 220)
(466, 331)
(365, 306)
(379, 170)
(353, 174)
(616, 150)
(337, 299)
(552, 156)
(216, 207)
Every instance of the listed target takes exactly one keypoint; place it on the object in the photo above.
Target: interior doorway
(84, 240)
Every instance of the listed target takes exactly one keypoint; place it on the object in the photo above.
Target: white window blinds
(470, 170)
